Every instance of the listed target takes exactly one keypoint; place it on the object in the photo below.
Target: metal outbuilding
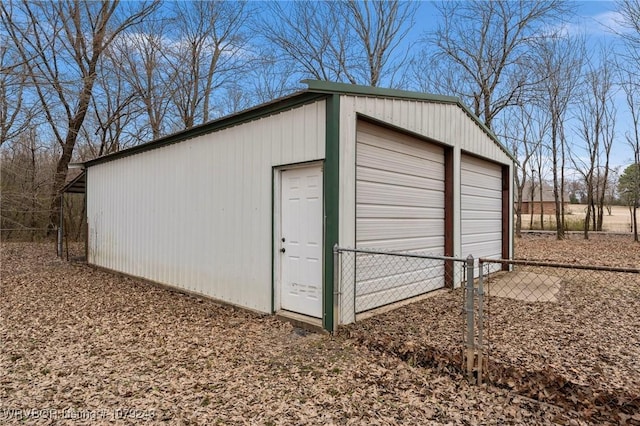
(247, 209)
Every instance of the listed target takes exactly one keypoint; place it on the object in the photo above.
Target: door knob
(282, 250)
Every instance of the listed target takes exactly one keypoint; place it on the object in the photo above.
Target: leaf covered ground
(82, 346)
(581, 352)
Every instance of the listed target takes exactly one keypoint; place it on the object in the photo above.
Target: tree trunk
(587, 215)
(556, 184)
(519, 212)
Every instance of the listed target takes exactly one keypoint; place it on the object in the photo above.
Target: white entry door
(301, 241)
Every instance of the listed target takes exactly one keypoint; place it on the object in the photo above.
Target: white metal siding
(445, 123)
(400, 207)
(481, 202)
(197, 214)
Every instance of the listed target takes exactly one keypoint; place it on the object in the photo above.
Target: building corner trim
(331, 188)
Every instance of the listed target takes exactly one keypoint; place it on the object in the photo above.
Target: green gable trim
(354, 89)
(260, 111)
(331, 189)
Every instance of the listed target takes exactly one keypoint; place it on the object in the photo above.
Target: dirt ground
(81, 346)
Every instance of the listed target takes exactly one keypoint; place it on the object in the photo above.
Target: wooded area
(82, 79)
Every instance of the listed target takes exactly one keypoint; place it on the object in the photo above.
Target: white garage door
(399, 207)
(481, 204)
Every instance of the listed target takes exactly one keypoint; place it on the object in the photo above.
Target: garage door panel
(374, 293)
(400, 163)
(376, 136)
(398, 212)
(367, 174)
(479, 215)
(479, 238)
(399, 207)
(481, 208)
(481, 192)
(399, 267)
(399, 283)
(378, 229)
(482, 204)
(479, 166)
(424, 245)
(389, 195)
(475, 182)
(487, 248)
(476, 226)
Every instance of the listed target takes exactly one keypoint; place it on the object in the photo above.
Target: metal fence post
(59, 241)
(470, 311)
(61, 228)
(337, 293)
(480, 319)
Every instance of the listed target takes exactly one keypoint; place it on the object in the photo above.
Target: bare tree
(111, 121)
(352, 41)
(17, 112)
(610, 193)
(270, 78)
(206, 53)
(558, 63)
(379, 27)
(146, 69)
(523, 127)
(596, 114)
(27, 169)
(481, 48)
(539, 158)
(630, 78)
(629, 11)
(61, 44)
(632, 92)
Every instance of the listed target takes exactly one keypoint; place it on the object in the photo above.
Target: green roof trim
(355, 89)
(316, 90)
(319, 86)
(255, 113)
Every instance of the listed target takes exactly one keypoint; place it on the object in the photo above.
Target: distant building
(548, 204)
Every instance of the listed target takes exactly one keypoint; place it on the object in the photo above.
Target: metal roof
(316, 90)
(77, 185)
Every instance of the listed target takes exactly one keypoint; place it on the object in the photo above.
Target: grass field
(618, 221)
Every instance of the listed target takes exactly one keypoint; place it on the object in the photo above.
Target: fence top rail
(398, 254)
(559, 265)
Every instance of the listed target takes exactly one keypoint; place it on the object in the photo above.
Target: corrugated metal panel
(481, 205)
(446, 123)
(197, 214)
(399, 206)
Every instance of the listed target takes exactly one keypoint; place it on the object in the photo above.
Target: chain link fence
(564, 334)
(372, 279)
(412, 302)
